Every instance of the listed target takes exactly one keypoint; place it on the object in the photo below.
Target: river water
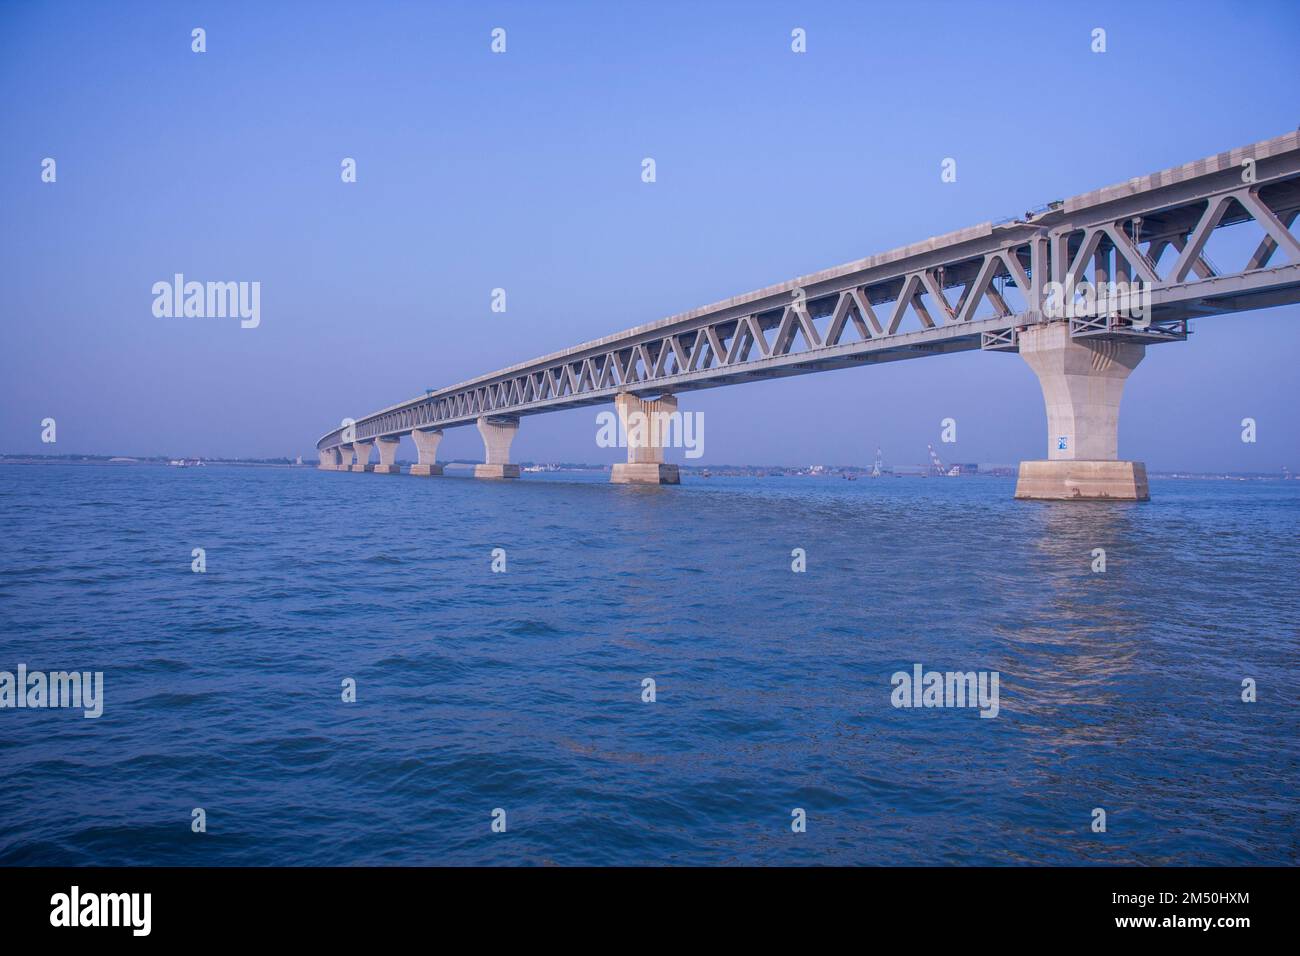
(521, 689)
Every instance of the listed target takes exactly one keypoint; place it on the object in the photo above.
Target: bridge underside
(995, 287)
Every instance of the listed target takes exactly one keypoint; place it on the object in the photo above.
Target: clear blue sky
(522, 171)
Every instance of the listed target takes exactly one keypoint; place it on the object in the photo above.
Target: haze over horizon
(521, 171)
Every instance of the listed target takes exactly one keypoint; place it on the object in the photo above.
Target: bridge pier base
(345, 457)
(1083, 383)
(1082, 480)
(363, 455)
(645, 423)
(426, 443)
(497, 434)
(387, 456)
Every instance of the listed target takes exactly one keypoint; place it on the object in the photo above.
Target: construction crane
(936, 466)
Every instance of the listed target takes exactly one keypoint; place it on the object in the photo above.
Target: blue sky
(522, 171)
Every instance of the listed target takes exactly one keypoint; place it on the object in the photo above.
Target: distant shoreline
(714, 471)
(135, 460)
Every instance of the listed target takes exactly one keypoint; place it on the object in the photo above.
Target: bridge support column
(329, 459)
(426, 443)
(1082, 382)
(345, 457)
(645, 423)
(387, 456)
(363, 455)
(497, 434)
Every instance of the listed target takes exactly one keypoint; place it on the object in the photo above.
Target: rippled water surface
(522, 690)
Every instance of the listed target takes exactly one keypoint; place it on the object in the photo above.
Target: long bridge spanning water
(1026, 285)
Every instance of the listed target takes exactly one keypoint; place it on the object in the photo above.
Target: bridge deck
(896, 305)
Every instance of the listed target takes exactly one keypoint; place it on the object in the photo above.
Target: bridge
(1079, 288)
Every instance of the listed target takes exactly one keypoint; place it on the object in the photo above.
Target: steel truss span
(979, 287)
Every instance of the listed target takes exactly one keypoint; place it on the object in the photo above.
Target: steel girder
(898, 305)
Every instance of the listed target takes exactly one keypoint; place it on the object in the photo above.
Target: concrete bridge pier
(363, 455)
(345, 457)
(646, 424)
(387, 456)
(498, 432)
(426, 443)
(1082, 382)
(329, 459)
